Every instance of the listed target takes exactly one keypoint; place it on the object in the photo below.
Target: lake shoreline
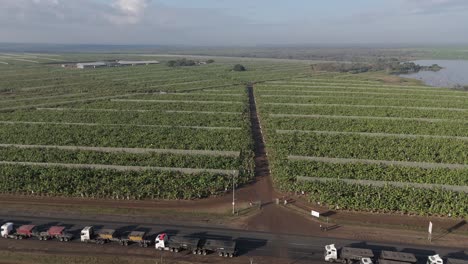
(454, 74)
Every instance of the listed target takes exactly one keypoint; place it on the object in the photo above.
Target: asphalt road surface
(300, 249)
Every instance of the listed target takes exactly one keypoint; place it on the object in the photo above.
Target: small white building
(135, 63)
(83, 65)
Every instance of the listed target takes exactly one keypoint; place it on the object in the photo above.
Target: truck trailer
(135, 237)
(57, 232)
(456, 261)
(224, 248)
(392, 257)
(348, 255)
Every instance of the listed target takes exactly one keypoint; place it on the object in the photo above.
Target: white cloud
(433, 6)
(131, 7)
(128, 11)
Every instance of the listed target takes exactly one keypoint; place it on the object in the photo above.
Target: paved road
(300, 249)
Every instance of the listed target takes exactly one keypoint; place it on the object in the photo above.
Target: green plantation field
(354, 143)
(143, 132)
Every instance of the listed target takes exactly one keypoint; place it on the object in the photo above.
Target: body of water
(454, 72)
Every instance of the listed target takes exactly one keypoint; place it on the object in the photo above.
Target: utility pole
(233, 194)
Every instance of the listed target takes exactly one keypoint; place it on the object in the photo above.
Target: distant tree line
(239, 67)
(185, 62)
(392, 66)
(461, 87)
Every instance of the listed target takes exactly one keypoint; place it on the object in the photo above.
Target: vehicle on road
(22, 232)
(224, 248)
(392, 257)
(57, 232)
(137, 237)
(100, 237)
(176, 243)
(436, 259)
(348, 255)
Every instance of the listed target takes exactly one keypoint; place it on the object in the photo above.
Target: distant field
(354, 143)
(131, 132)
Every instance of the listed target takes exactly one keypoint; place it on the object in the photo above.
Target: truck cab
(6, 229)
(87, 234)
(331, 253)
(436, 259)
(160, 241)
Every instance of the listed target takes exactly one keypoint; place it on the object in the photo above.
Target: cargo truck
(197, 246)
(136, 237)
(391, 257)
(57, 232)
(24, 231)
(176, 243)
(348, 255)
(102, 236)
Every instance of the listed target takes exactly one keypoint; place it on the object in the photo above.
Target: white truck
(436, 259)
(348, 255)
(6, 230)
(100, 237)
(176, 243)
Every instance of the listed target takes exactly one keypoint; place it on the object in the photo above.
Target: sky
(234, 22)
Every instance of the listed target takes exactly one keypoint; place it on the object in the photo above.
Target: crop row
(123, 136)
(54, 155)
(353, 84)
(192, 96)
(350, 124)
(344, 87)
(343, 110)
(367, 100)
(451, 151)
(377, 172)
(358, 93)
(131, 118)
(149, 184)
(175, 106)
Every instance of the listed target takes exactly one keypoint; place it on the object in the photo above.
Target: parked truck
(102, 236)
(136, 237)
(57, 232)
(348, 255)
(176, 243)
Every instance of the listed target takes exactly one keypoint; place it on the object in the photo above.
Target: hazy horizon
(222, 23)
